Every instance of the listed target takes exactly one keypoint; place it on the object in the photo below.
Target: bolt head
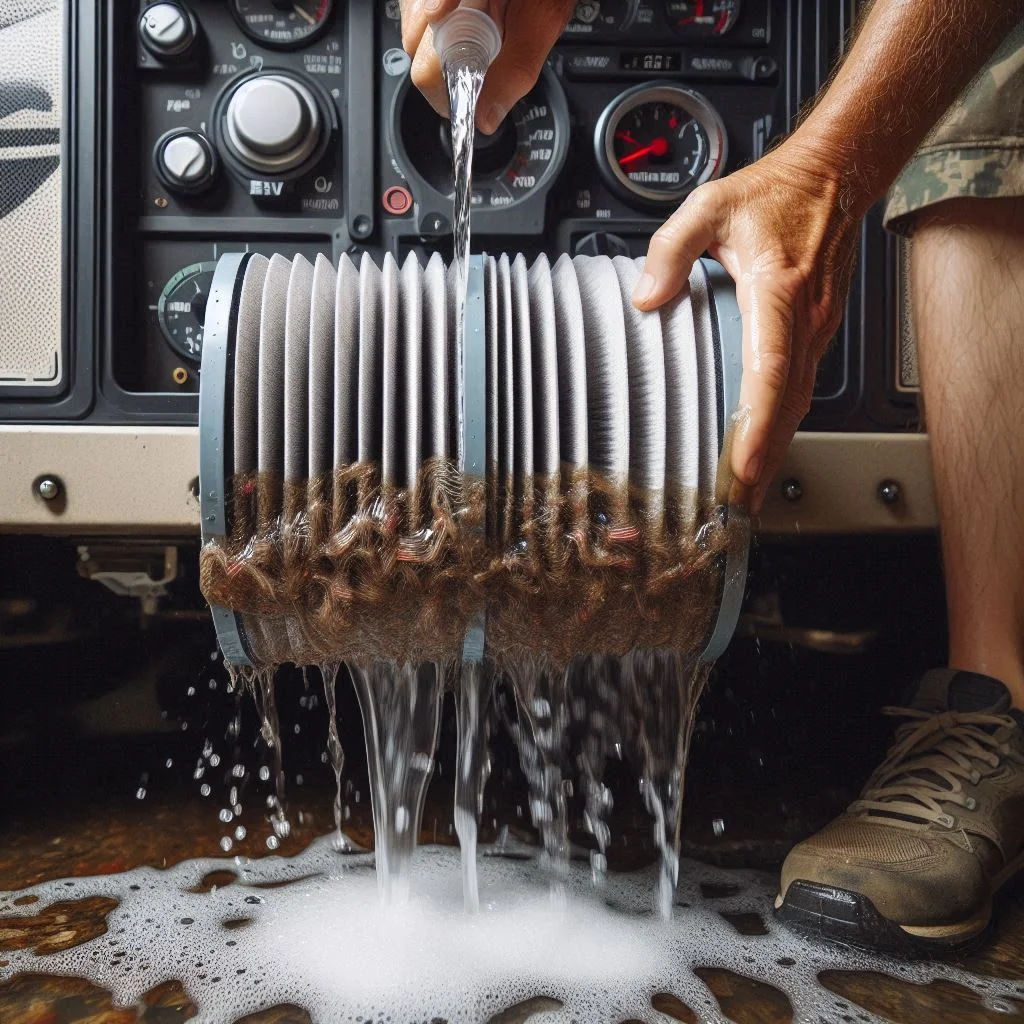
(792, 489)
(889, 492)
(48, 488)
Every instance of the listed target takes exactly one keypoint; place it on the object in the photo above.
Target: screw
(889, 492)
(48, 488)
(179, 375)
(792, 489)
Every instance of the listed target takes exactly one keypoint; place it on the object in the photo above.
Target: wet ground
(105, 724)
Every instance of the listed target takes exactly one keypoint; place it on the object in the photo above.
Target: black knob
(600, 243)
(167, 30)
(185, 161)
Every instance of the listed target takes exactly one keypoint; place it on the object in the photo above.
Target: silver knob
(273, 123)
(185, 161)
(166, 29)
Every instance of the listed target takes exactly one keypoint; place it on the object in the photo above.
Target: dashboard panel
(201, 127)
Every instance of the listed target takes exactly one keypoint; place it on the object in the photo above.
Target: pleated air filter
(376, 485)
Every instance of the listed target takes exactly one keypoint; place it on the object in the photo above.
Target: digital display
(647, 60)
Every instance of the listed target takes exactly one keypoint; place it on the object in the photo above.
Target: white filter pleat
(370, 362)
(270, 443)
(541, 297)
(682, 437)
(493, 376)
(607, 372)
(506, 390)
(572, 365)
(435, 359)
(247, 365)
(392, 432)
(346, 364)
(522, 349)
(296, 371)
(321, 369)
(411, 361)
(645, 360)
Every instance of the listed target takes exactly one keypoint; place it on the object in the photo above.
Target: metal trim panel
(138, 481)
(113, 479)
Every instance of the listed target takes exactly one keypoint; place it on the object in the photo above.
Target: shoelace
(932, 757)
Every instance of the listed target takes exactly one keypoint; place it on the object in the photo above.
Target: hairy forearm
(909, 61)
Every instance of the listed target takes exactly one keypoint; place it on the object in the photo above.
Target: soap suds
(324, 941)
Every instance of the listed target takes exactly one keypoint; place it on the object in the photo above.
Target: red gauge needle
(659, 147)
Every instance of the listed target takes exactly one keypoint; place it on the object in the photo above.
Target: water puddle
(324, 943)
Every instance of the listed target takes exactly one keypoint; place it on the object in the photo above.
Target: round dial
(522, 156)
(656, 143)
(181, 309)
(701, 19)
(601, 17)
(282, 24)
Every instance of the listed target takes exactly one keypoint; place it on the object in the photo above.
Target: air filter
(376, 485)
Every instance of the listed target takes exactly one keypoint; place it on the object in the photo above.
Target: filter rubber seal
(474, 418)
(214, 426)
(728, 328)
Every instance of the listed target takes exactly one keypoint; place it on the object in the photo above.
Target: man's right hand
(780, 229)
(529, 27)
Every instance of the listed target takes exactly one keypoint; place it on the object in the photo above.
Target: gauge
(655, 143)
(182, 306)
(282, 24)
(601, 17)
(701, 19)
(519, 159)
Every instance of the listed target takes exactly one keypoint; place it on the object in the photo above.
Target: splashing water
(334, 749)
(473, 767)
(401, 707)
(261, 684)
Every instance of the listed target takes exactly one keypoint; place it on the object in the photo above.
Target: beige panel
(137, 481)
(113, 479)
(840, 476)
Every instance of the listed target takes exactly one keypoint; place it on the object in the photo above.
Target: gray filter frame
(307, 368)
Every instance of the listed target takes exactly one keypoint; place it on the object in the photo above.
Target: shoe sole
(839, 915)
(826, 913)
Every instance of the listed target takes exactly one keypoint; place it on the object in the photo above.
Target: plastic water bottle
(468, 37)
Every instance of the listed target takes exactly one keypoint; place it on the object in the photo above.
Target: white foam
(327, 943)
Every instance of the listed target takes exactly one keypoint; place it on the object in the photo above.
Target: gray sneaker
(912, 866)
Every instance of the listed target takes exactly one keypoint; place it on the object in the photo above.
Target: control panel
(223, 125)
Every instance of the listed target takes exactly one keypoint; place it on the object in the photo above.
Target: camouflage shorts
(977, 149)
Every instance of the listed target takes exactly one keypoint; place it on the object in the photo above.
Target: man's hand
(779, 229)
(529, 27)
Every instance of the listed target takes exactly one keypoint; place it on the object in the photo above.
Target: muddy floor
(105, 723)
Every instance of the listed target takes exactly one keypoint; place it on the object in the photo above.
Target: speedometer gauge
(655, 143)
(702, 19)
(282, 24)
(519, 160)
